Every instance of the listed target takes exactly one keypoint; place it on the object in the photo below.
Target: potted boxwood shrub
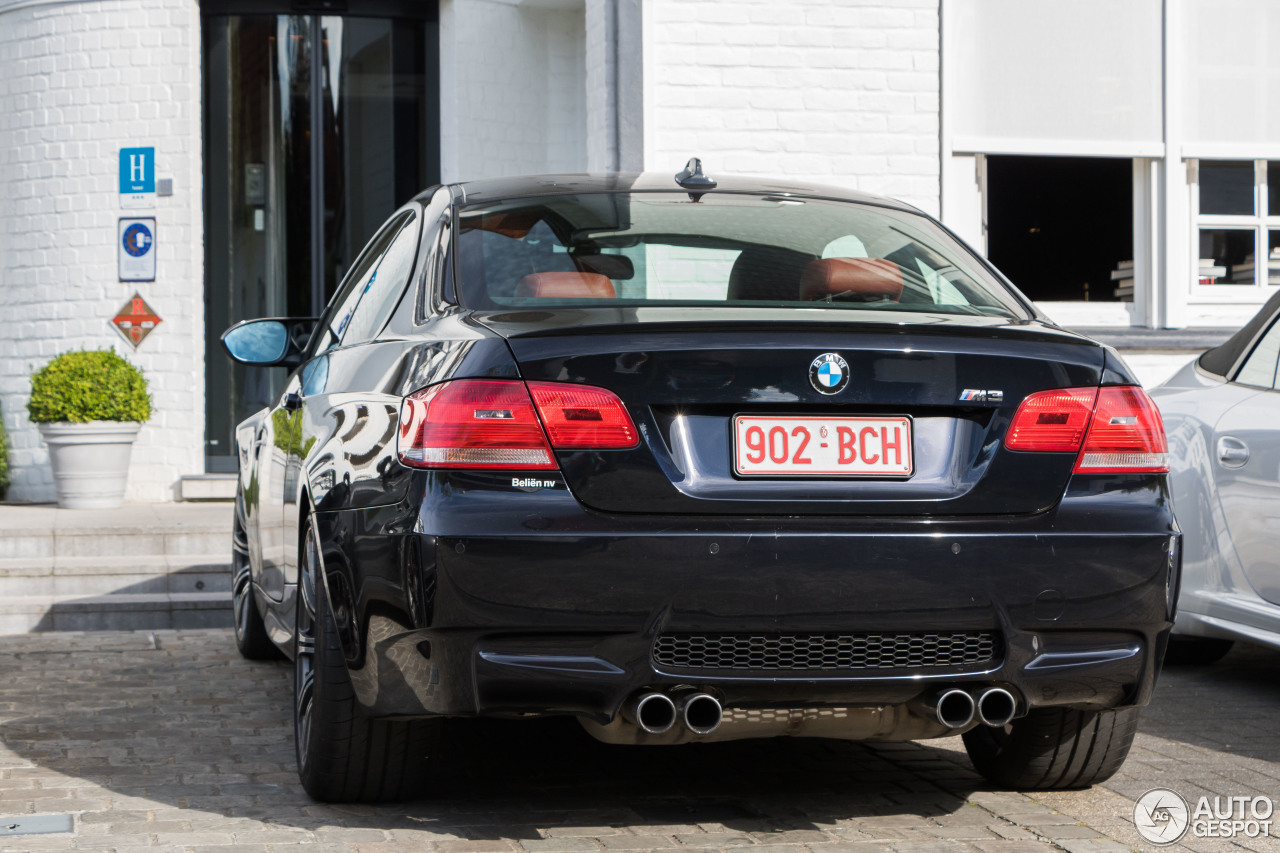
(89, 406)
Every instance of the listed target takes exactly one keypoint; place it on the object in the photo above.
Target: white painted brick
(76, 85)
(844, 93)
(504, 121)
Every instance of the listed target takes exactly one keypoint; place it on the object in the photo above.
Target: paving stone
(180, 745)
(559, 845)
(636, 842)
(715, 839)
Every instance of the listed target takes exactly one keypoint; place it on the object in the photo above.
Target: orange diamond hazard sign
(136, 320)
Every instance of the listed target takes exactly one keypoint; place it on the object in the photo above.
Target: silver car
(1222, 416)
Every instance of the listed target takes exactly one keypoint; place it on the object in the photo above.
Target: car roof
(1226, 359)
(495, 189)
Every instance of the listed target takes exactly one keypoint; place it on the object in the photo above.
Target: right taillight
(1115, 430)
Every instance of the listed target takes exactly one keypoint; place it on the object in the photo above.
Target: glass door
(316, 129)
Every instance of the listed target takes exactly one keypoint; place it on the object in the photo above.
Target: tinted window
(383, 289)
(663, 248)
(340, 311)
(1260, 367)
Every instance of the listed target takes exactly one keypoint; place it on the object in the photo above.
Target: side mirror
(269, 342)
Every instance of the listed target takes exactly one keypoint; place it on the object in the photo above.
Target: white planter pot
(90, 461)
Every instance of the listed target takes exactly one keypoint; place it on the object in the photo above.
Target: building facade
(1126, 175)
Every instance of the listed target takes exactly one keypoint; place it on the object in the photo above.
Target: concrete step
(115, 612)
(27, 576)
(207, 487)
(142, 566)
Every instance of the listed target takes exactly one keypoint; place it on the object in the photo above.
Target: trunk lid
(686, 374)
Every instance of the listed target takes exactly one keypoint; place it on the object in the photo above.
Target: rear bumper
(517, 615)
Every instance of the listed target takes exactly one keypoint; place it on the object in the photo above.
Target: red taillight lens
(472, 423)
(1126, 435)
(495, 423)
(579, 417)
(1051, 420)
(1117, 430)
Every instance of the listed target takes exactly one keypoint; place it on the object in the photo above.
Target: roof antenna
(693, 179)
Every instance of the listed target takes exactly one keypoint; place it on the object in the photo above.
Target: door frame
(216, 176)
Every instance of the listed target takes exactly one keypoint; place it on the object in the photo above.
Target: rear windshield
(725, 248)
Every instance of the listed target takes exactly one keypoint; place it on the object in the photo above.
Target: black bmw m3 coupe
(696, 462)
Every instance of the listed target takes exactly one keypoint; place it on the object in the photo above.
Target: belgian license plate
(791, 446)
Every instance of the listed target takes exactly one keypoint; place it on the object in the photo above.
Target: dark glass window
(1226, 187)
(1226, 256)
(1273, 188)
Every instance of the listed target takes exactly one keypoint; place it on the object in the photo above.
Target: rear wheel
(251, 634)
(1196, 651)
(1054, 748)
(344, 756)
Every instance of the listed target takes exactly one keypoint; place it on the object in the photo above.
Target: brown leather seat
(566, 285)
(856, 279)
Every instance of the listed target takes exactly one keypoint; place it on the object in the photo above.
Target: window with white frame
(1237, 222)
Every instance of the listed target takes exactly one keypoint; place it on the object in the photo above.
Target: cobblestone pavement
(178, 744)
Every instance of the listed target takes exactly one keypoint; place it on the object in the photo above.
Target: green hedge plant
(92, 385)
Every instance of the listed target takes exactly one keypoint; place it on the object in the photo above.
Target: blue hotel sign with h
(137, 177)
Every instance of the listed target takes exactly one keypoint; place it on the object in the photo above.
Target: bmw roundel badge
(829, 373)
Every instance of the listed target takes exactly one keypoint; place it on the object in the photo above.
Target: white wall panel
(1050, 77)
(512, 88)
(1229, 64)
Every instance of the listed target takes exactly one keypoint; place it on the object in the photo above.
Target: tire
(1053, 748)
(251, 634)
(1196, 651)
(344, 756)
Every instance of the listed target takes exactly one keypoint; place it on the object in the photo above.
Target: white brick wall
(512, 88)
(845, 93)
(79, 81)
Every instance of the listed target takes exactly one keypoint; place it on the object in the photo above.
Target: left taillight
(472, 423)
(504, 424)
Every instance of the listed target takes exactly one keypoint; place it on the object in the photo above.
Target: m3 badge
(981, 395)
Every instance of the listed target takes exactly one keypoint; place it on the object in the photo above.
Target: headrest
(859, 279)
(566, 285)
(616, 267)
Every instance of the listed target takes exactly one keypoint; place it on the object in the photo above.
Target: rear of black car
(779, 465)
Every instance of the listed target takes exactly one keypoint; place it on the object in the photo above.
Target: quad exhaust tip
(654, 713)
(701, 713)
(955, 708)
(996, 707)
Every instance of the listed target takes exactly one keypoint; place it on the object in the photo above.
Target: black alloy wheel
(344, 755)
(251, 633)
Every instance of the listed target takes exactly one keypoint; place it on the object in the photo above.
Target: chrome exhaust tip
(954, 708)
(654, 713)
(996, 707)
(701, 713)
